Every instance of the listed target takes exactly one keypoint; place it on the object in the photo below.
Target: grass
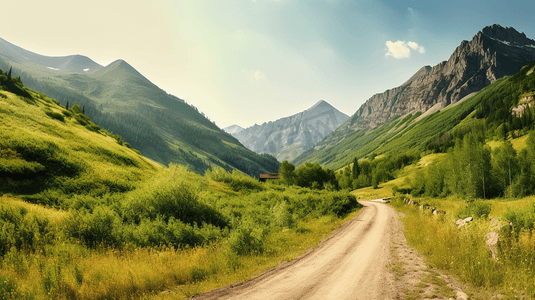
(464, 253)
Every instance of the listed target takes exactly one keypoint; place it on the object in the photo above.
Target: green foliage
(236, 180)
(55, 115)
(22, 230)
(170, 195)
(521, 219)
(246, 240)
(314, 176)
(475, 209)
(286, 170)
(97, 228)
(9, 288)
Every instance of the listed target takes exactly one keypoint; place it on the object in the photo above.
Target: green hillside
(161, 126)
(489, 108)
(47, 150)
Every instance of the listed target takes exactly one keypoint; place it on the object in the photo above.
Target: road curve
(349, 264)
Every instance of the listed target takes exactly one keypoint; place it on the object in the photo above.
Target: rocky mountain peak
(492, 53)
(288, 137)
(504, 34)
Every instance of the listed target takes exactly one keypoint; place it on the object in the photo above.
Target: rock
(460, 223)
(492, 243)
(469, 219)
(496, 224)
(421, 207)
(288, 137)
(460, 295)
(493, 53)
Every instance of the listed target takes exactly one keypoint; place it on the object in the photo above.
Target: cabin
(265, 177)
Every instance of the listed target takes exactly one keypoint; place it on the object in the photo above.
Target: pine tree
(355, 169)
(67, 106)
(9, 73)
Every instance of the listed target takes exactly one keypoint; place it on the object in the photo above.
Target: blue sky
(245, 62)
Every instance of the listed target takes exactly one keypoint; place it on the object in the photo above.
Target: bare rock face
(492, 53)
(288, 137)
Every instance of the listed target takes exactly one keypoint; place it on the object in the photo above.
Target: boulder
(492, 243)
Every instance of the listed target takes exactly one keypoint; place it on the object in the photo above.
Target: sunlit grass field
(84, 216)
(463, 252)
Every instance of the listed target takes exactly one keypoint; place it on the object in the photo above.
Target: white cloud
(402, 49)
(254, 75)
(416, 47)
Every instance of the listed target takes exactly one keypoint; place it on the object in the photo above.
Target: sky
(247, 62)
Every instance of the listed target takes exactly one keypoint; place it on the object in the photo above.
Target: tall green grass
(464, 253)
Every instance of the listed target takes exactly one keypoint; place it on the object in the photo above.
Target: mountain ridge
(287, 137)
(123, 101)
(472, 66)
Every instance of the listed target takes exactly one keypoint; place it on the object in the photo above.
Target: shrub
(92, 127)
(521, 219)
(247, 240)
(22, 230)
(236, 180)
(8, 288)
(93, 229)
(55, 115)
(67, 113)
(475, 209)
(282, 217)
(82, 119)
(167, 195)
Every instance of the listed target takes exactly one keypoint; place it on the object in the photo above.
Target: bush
(9, 288)
(339, 204)
(98, 228)
(22, 230)
(55, 115)
(170, 194)
(247, 240)
(475, 209)
(82, 119)
(236, 180)
(521, 219)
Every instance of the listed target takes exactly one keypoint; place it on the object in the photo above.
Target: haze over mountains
(118, 98)
(288, 137)
(493, 53)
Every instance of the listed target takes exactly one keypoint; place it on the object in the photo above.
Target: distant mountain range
(118, 98)
(233, 129)
(288, 137)
(493, 53)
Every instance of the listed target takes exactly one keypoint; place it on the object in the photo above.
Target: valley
(119, 190)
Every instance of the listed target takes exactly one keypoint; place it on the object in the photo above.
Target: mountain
(120, 99)
(44, 148)
(493, 53)
(232, 129)
(288, 137)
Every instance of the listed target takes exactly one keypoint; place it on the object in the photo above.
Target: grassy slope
(163, 127)
(91, 182)
(67, 154)
(399, 135)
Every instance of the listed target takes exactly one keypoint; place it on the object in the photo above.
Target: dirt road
(350, 264)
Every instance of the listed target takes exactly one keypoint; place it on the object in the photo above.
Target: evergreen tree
(355, 170)
(9, 73)
(67, 106)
